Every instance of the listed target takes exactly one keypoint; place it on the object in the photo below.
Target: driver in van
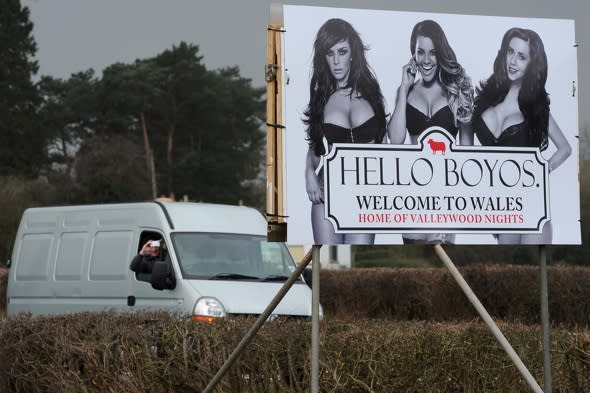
(148, 255)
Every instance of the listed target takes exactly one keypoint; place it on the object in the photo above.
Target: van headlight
(207, 309)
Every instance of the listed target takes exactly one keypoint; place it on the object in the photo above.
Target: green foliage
(204, 127)
(110, 169)
(23, 138)
(68, 115)
(223, 149)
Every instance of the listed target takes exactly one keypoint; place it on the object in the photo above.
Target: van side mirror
(163, 276)
(307, 276)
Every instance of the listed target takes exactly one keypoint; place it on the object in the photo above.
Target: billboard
(413, 128)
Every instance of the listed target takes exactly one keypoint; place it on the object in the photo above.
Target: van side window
(152, 235)
(34, 258)
(142, 266)
(152, 263)
(107, 261)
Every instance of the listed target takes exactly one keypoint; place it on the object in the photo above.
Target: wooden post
(274, 119)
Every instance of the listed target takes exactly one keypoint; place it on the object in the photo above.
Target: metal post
(259, 322)
(315, 320)
(487, 319)
(545, 320)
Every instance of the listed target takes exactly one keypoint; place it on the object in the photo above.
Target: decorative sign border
(435, 186)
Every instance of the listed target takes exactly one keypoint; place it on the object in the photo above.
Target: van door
(141, 294)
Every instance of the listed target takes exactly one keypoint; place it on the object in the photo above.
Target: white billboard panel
(407, 127)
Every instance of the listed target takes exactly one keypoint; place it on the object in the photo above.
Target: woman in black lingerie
(512, 109)
(442, 97)
(345, 106)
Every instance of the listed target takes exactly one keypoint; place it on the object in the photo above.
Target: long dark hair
(361, 80)
(451, 74)
(533, 100)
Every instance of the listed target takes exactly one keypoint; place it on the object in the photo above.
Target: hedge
(151, 352)
(507, 292)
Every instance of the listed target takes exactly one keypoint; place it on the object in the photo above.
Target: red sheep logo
(437, 146)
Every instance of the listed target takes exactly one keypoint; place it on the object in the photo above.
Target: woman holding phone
(442, 96)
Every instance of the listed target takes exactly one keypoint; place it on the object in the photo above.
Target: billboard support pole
(487, 319)
(275, 208)
(545, 328)
(315, 320)
(259, 322)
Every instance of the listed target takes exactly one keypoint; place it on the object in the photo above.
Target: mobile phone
(413, 67)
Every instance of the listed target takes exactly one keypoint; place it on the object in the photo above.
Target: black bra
(515, 135)
(364, 133)
(417, 122)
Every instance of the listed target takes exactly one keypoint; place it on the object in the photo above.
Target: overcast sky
(74, 35)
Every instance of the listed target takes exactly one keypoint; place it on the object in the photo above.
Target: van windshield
(220, 256)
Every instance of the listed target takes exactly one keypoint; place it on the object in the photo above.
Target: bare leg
(323, 231)
(544, 238)
(415, 238)
(359, 238)
(429, 238)
(509, 238)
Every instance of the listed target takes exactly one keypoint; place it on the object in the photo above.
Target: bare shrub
(508, 292)
(153, 352)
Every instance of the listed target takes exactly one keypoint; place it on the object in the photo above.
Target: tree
(203, 127)
(184, 74)
(110, 169)
(201, 131)
(221, 148)
(22, 151)
(68, 114)
(150, 88)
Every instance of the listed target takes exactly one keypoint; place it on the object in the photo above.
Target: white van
(215, 260)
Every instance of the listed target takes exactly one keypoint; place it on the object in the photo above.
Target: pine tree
(22, 150)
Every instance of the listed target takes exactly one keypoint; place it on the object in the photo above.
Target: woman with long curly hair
(442, 97)
(345, 106)
(512, 109)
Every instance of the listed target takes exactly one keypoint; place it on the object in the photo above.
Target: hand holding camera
(150, 247)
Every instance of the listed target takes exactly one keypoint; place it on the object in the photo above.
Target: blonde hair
(450, 74)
